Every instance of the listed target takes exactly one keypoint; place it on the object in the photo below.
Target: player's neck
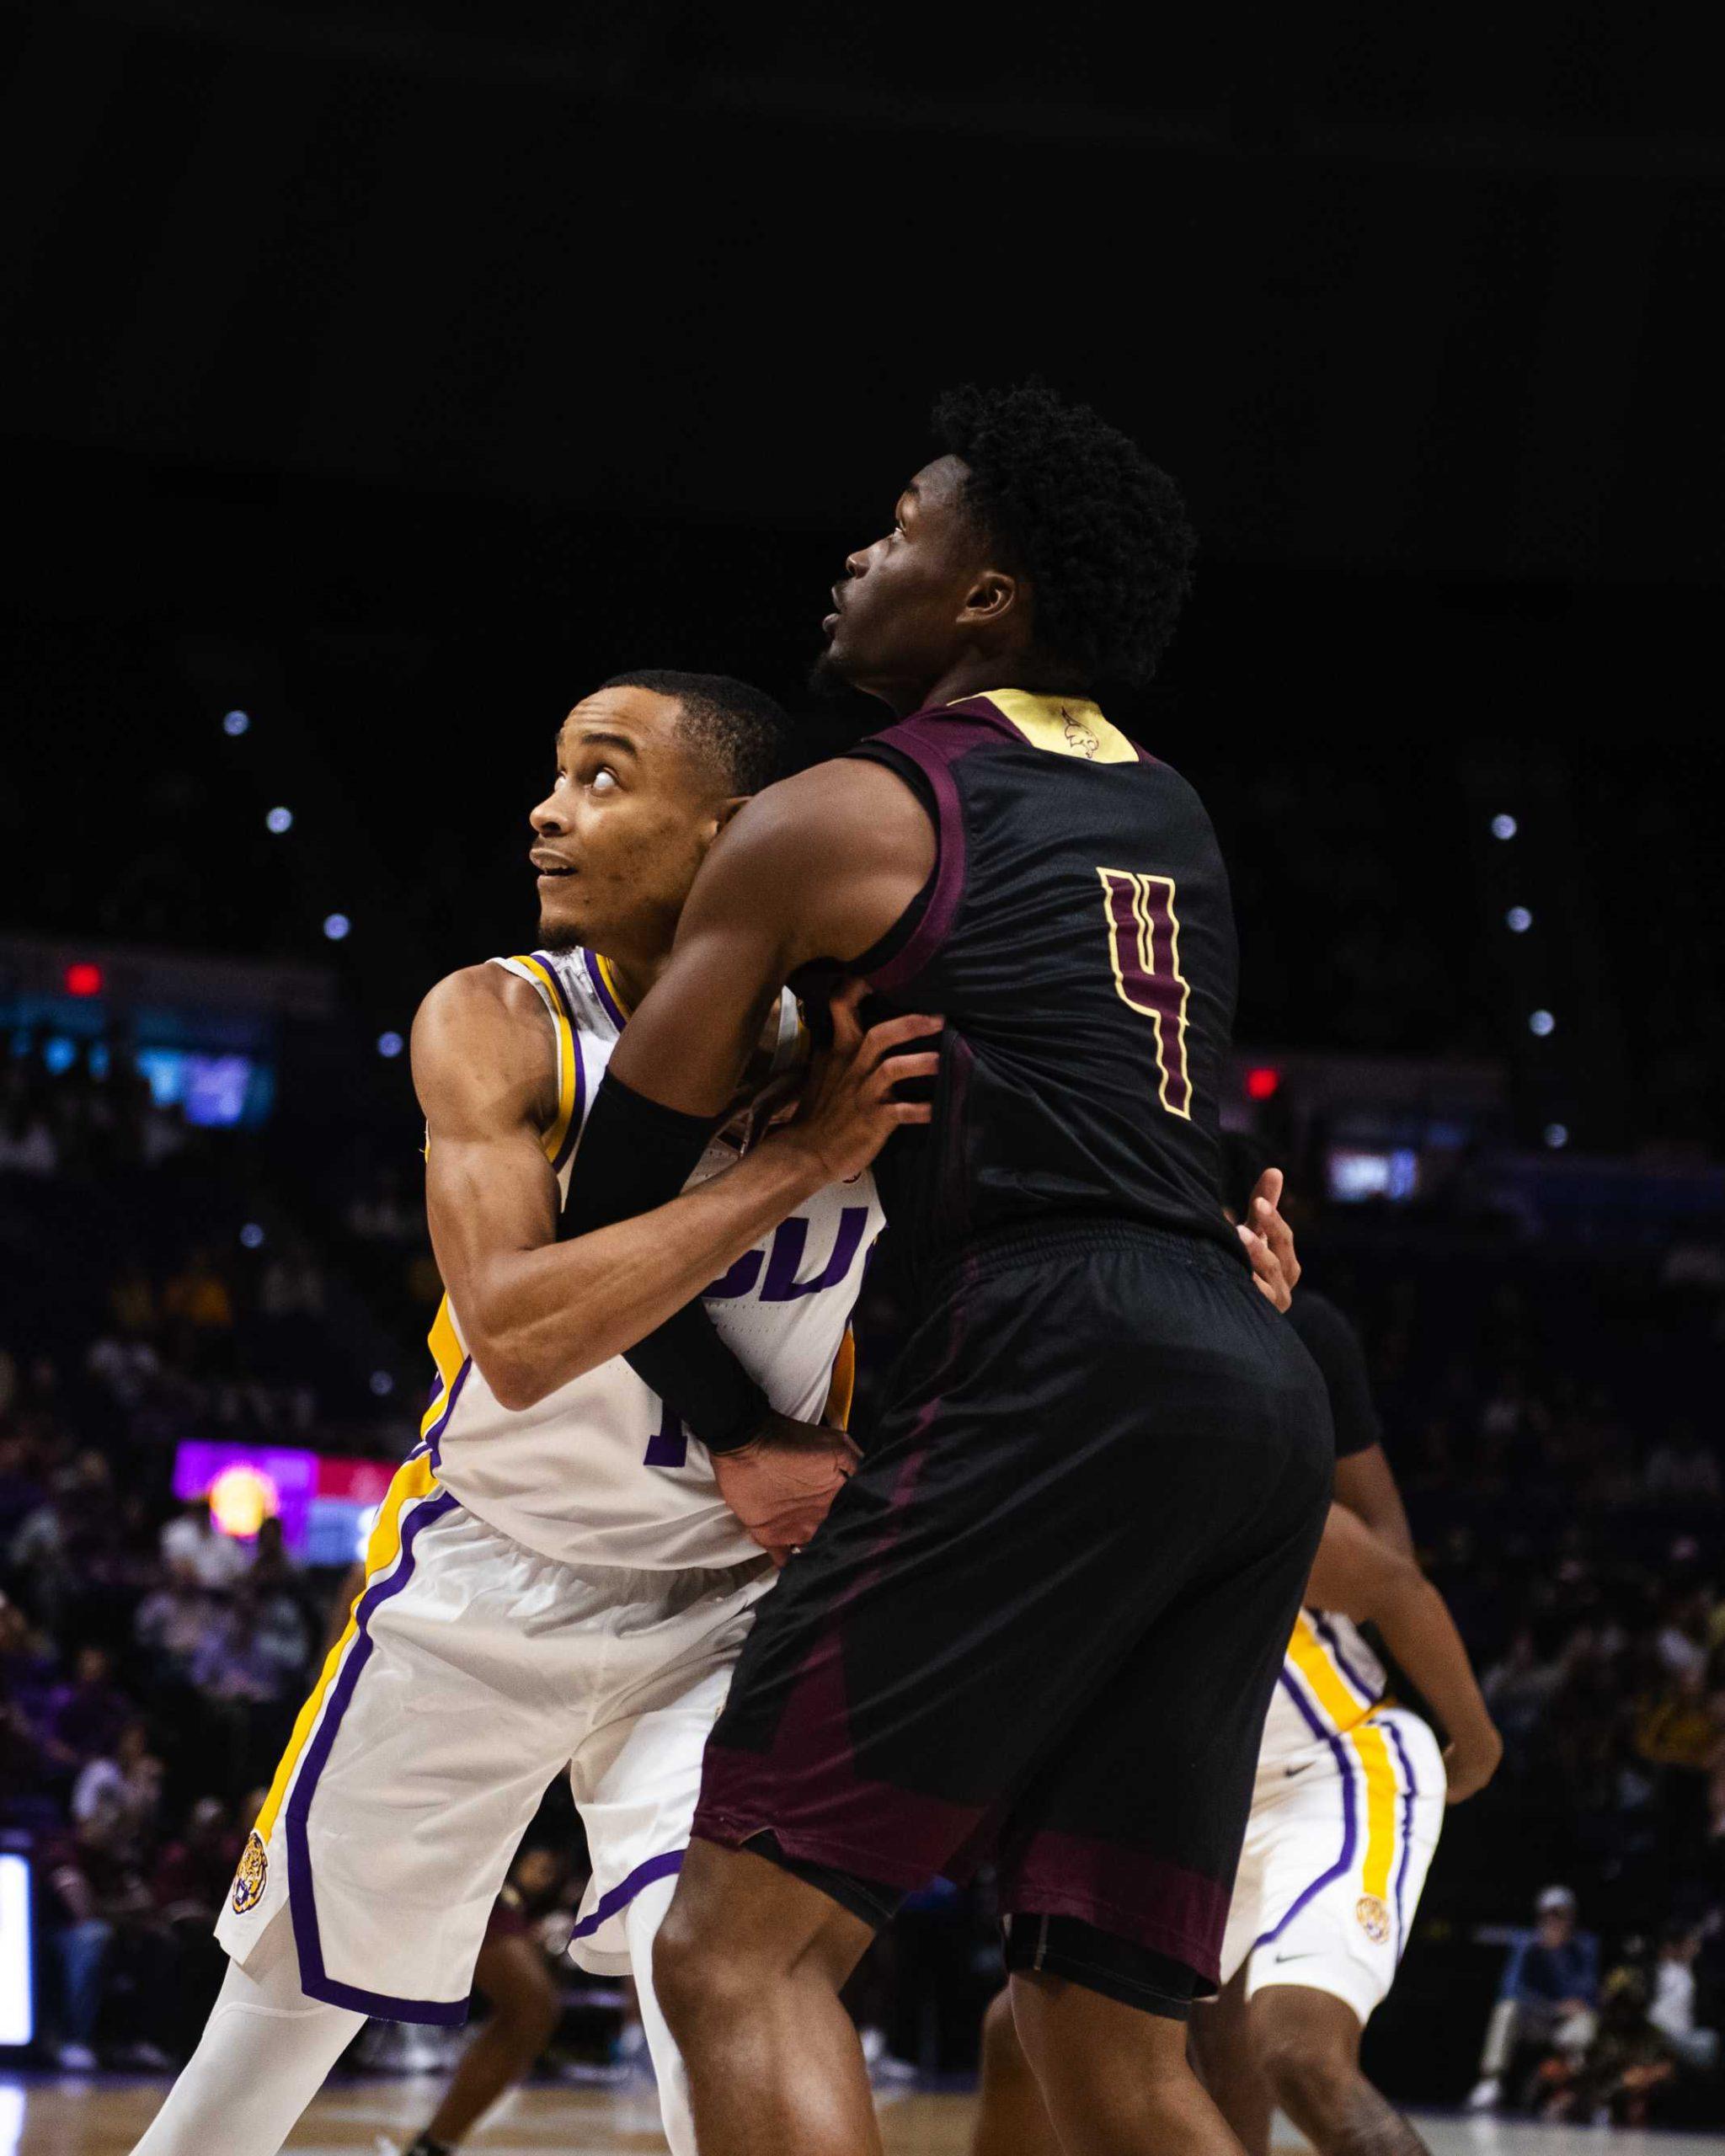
(631, 977)
(978, 672)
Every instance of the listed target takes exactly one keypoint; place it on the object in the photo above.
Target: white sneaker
(76, 2058)
(1487, 2095)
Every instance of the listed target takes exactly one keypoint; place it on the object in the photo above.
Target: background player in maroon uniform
(1043, 1619)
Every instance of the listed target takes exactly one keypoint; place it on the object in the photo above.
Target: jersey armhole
(905, 948)
(560, 1139)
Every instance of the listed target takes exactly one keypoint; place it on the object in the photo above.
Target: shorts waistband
(1004, 1248)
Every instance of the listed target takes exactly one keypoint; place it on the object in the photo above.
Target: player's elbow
(523, 1366)
(514, 1382)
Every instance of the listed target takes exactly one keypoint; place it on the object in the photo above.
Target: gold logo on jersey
(1081, 739)
(253, 1875)
(1374, 1918)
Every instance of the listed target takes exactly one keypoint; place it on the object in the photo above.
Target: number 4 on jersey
(1144, 944)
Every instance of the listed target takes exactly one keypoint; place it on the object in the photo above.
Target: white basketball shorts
(471, 1673)
(1340, 1838)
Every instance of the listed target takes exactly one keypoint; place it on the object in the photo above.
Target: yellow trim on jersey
(566, 1052)
(448, 1354)
(836, 1414)
(609, 978)
(1312, 1659)
(417, 1478)
(1066, 726)
(1373, 1753)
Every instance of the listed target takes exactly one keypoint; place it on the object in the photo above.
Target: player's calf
(1307, 2046)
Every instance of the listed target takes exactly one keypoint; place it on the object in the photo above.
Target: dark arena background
(380, 378)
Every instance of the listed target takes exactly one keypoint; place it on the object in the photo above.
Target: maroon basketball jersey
(1078, 935)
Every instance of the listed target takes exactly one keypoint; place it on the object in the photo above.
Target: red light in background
(1262, 1083)
(83, 978)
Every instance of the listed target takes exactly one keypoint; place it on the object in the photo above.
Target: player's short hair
(739, 729)
(1100, 531)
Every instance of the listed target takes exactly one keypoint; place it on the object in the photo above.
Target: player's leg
(1222, 2049)
(265, 2053)
(1116, 2079)
(636, 1777)
(511, 1977)
(748, 1968)
(1361, 1821)
(1012, 2119)
(1307, 2044)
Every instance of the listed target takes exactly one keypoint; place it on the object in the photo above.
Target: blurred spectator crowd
(1540, 1406)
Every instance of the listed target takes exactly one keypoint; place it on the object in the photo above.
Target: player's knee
(1003, 2058)
(1310, 2074)
(690, 1977)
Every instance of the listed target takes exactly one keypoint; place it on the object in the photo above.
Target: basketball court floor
(49, 2116)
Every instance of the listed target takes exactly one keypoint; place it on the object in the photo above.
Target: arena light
(278, 821)
(383, 1384)
(1517, 920)
(1557, 1136)
(235, 722)
(1503, 827)
(242, 1497)
(83, 977)
(1262, 1082)
(336, 926)
(252, 1235)
(390, 1044)
(1541, 1022)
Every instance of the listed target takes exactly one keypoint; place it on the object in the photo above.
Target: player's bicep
(686, 1044)
(484, 1069)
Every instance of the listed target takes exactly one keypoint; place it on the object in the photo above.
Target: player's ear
(991, 597)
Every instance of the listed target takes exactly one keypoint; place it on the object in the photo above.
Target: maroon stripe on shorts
(1125, 1892)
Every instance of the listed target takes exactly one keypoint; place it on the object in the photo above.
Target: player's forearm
(1421, 1634)
(543, 1316)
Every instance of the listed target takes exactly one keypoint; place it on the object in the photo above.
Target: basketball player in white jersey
(1346, 1811)
(559, 1579)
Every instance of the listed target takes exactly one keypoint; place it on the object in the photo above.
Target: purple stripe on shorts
(613, 1011)
(1369, 1694)
(1410, 1789)
(621, 1896)
(1342, 1862)
(442, 1424)
(302, 1900)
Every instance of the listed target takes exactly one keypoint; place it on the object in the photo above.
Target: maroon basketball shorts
(1040, 1628)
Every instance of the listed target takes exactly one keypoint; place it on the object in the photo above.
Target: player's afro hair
(739, 729)
(1100, 531)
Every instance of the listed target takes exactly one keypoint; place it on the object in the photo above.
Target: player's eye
(604, 780)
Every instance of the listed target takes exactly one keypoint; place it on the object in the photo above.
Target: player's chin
(560, 928)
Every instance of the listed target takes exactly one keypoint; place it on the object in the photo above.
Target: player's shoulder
(841, 802)
(481, 1025)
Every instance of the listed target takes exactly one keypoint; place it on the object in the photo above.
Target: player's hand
(1269, 1242)
(850, 1109)
(781, 1483)
(1470, 1761)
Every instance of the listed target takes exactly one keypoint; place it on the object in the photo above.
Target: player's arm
(1366, 1484)
(1358, 1574)
(819, 866)
(536, 1312)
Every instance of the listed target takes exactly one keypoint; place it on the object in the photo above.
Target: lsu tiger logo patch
(1374, 1918)
(253, 1875)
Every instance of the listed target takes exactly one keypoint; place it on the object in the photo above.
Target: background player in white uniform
(559, 1578)
(1345, 1815)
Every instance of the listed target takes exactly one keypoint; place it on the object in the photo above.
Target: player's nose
(857, 564)
(545, 818)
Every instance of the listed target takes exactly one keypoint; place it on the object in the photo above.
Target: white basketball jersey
(1330, 1680)
(599, 1472)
